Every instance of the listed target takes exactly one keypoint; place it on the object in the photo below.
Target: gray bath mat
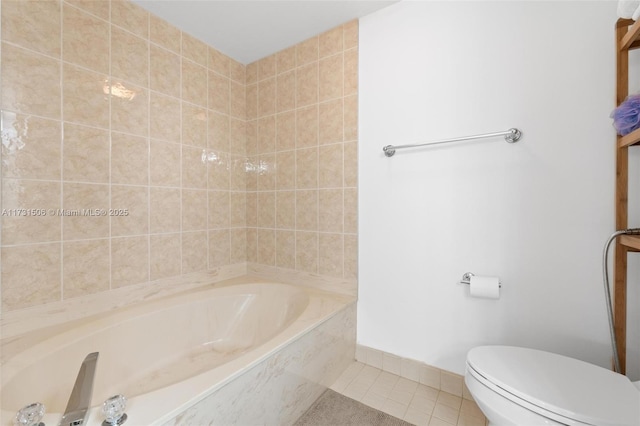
(334, 409)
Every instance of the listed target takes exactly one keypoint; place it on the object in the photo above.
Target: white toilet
(527, 387)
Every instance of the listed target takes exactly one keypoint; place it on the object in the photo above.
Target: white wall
(536, 213)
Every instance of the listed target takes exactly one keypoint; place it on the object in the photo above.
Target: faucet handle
(30, 415)
(113, 409)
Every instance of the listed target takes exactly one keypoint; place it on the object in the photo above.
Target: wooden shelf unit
(631, 139)
(631, 242)
(627, 38)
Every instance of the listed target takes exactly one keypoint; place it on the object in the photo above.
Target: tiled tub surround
(302, 142)
(256, 352)
(105, 106)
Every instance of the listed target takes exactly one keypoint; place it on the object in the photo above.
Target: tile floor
(405, 399)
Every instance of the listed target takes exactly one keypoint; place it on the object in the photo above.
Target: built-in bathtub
(251, 353)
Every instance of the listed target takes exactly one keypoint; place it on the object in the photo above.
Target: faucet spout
(80, 399)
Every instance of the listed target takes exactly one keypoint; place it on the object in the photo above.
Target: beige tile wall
(70, 141)
(106, 107)
(302, 148)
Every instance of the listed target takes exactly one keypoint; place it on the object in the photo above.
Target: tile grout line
(148, 149)
(61, 220)
(110, 82)
(390, 401)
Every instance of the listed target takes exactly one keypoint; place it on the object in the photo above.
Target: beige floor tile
(423, 404)
(353, 370)
(394, 408)
(439, 422)
(368, 374)
(340, 384)
(347, 377)
(381, 389)
(407, 399)
(467, 420)
(427, 392)
(388, 379)
(403, 397)
(406, 385)
(446, 413)
(451, 383)
(470, 408)
(416, 417)
(356, 390)
(374, 400)
(449, 400)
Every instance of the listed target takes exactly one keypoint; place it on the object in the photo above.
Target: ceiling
(250, 30)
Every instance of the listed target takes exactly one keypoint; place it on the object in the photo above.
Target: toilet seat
(555, 386)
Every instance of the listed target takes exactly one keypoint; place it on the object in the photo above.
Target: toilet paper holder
(466, 279)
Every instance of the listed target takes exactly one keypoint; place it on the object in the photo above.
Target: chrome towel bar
(511, 136)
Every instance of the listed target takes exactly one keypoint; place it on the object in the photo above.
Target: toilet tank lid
(565, 386)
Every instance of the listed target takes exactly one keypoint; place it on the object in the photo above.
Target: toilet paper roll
(487, 287)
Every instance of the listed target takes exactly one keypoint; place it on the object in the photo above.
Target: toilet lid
(561, 385)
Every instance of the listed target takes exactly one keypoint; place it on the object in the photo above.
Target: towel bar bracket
(513, 136)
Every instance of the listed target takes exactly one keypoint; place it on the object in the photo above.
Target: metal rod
(511, 136)
(607, 292)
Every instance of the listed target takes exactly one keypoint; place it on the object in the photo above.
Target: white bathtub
(169, 355)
